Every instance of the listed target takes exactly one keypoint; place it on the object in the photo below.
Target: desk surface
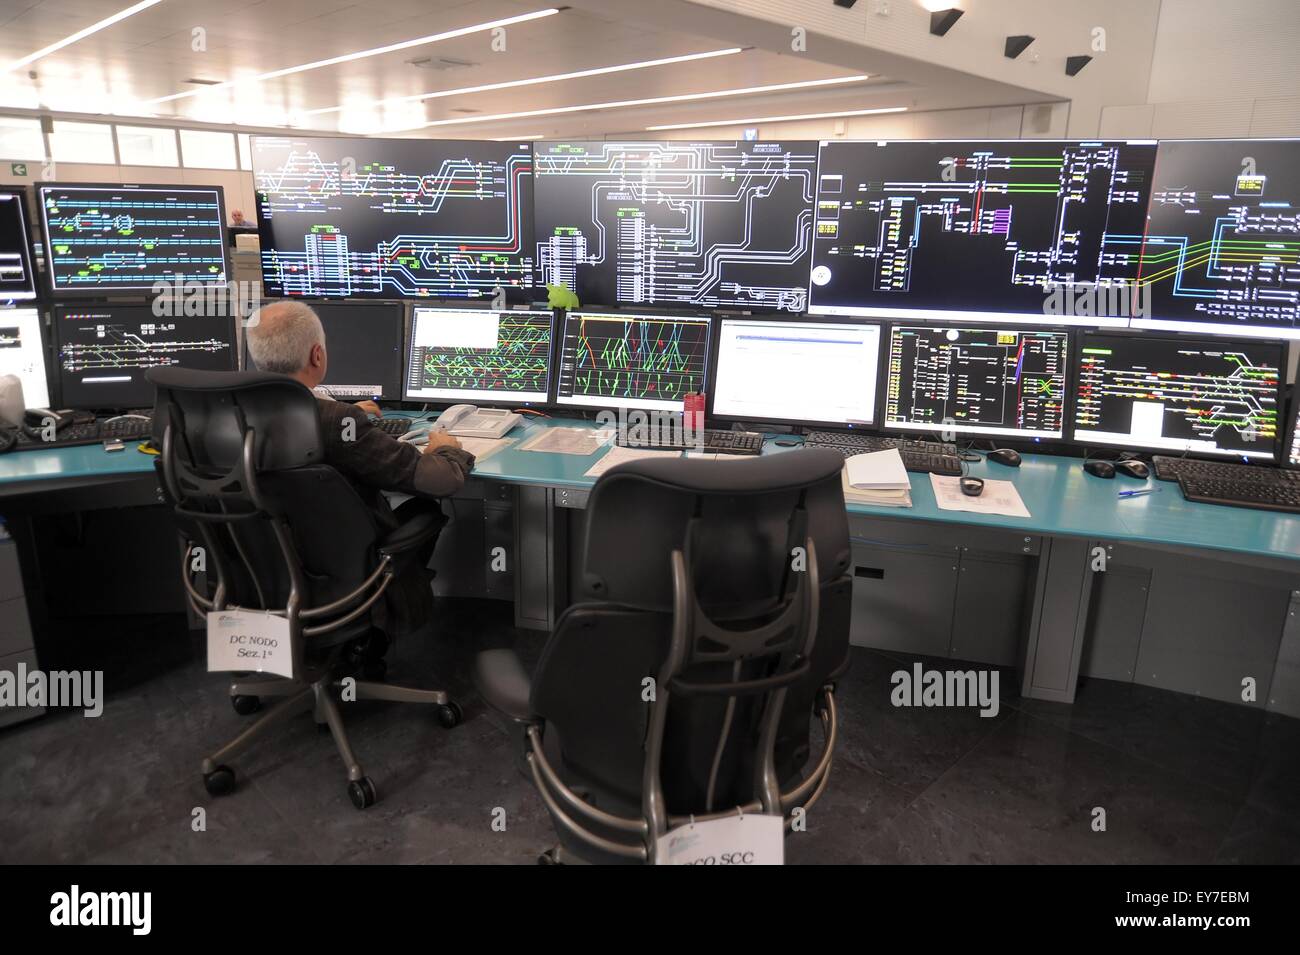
(1061, 498)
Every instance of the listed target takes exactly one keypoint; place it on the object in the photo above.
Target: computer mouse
(1008, 456)
(972, 486)
(1134, 468)
(1101, 469)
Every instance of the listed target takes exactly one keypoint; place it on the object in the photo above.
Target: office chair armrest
(504, 684)
(418, 530)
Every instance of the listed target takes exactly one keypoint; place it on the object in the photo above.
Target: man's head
(287, 337)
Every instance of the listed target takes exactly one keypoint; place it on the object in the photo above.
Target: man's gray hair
(280, 336)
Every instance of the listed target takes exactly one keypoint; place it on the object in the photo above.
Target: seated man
(287, 338)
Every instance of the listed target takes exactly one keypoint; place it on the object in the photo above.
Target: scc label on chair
(247, 641)
(731, 840)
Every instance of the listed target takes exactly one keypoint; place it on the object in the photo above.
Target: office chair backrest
(242, 462)
(735, 527)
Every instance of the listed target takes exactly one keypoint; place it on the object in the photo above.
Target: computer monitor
(1218, 397)
(976, 380)
(805, 372)
(1291, 453)
(17, 273)
(364, 346)
(112, 239)
(393, 218)
(632, 360)
(1221, 239)
(677, 223)
(479, 355)
(23, 354)
(1024, 231)
(103, 351)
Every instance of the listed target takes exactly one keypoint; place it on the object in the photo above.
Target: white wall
(1220, 69)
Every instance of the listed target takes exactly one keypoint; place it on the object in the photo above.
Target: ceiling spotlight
(1073, 64)
(1016, 45)
(941, 21)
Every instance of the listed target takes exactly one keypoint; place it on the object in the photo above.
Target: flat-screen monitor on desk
(632, 360)
(22, 354)
(363, 342)
(103, 351)
(1211, 396)
(479, 355)
(112, 239)
(805, 372)
(1291, 453)
(977, 380)
(17, 272)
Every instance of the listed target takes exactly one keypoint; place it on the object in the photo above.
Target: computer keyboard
(712, 441)
(393, 426)
(1280, 491)
(1170, 469)
(88, 432)
(925, 457)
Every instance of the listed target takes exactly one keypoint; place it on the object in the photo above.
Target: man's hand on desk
(441, 439)
(370, 408)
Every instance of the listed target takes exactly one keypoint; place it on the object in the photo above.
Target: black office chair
(727, 585)
(240, 462)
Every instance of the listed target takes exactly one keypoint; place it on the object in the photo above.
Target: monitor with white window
(805, 372)
(479, 355)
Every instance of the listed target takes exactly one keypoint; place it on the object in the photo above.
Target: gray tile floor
(1181, 779)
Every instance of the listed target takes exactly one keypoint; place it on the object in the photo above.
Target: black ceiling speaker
(846, 4)
(1073, 64)
(941, 21)
(1016, 45)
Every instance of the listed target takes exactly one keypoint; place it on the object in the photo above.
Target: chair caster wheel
(548, 858)
(246, 705)
(450, 715)
(220, 782)
(362, 793)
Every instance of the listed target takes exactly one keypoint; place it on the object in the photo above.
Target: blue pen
(1139, 492)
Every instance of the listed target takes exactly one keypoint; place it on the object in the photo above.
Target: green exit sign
(18, 168)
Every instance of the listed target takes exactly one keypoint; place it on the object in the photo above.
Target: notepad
(877, 471)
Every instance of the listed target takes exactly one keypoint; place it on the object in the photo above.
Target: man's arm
(366, 454)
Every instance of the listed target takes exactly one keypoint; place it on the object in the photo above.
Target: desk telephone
(467, 421)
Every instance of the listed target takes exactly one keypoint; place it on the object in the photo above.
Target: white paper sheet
(582, 441)
(877, 470)
(621, 455)
(999, 497)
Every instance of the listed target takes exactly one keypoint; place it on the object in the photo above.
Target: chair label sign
(731, 840)
(248, 641)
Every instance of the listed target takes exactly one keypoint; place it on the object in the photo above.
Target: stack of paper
(877, 478)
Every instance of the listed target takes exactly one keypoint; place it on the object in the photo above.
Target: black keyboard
(1281, 492)
(925, 457)
(712, 441)
(88, 432)
(1170, 468)
(393, 426)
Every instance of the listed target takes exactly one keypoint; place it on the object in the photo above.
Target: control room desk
(1185, 596)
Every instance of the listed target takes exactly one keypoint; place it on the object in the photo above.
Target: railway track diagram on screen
(1223, 242)
(519, 363)
(116, 347)
(1200, 393)
(107, 239)
(393, 218)
(663, 223)
(977, 227)
(634, 356)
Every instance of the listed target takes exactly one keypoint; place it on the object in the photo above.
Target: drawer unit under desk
(936, 590)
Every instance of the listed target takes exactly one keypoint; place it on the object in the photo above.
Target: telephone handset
(470, 422)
